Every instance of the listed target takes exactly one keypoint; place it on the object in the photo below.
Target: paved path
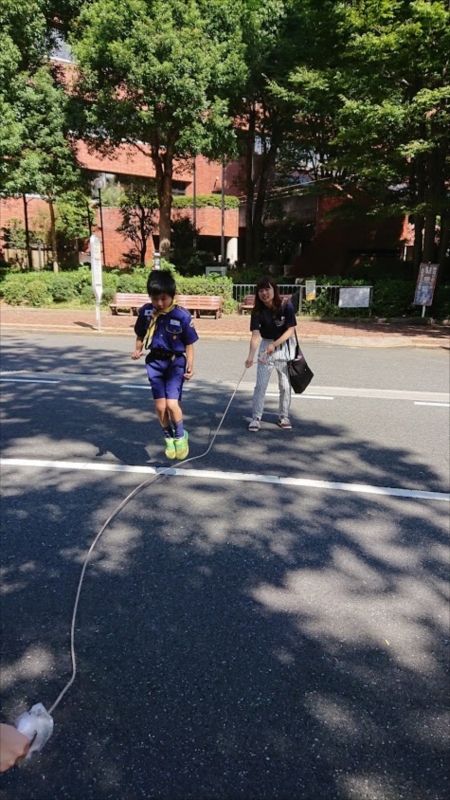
(234, 326)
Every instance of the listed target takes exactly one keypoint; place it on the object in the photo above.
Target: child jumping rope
(168, 332)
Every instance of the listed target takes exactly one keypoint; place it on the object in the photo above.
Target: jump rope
(37, 723)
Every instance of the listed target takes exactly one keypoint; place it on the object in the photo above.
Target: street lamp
(99, 184)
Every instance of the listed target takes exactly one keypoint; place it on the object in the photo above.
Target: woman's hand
(249, 362)
(13, 745)
(270, 349)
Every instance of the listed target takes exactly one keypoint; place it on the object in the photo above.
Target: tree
(137, 206)
(159, 72)
(46, 163)
(284, 38)
(394, 124)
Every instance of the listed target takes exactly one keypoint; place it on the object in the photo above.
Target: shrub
(107, 296)
(126, 283)
(394, 298)
(87, 295)
(203, 285)
(441, 304)
(205, 200)
(37, 294)
(63, 289)
(14, 290)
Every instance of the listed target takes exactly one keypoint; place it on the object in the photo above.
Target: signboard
(157, 259)
(310, 290)
(354, 297)
(218, 270)
(426, 282)
(96, 267)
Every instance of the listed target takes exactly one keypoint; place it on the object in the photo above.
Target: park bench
(199, 304)
(196, 304)
(249, 301)
(128, 301)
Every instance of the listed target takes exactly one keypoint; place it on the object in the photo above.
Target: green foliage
(137, 206)
(63, 289)
(394, 298)
(71, 215)
(38, 294)
(205, 201)
(160, 71)
(206, 285)
(441, 302)
(195, 262)
(164, 264)
(87, 295)
(248, 274)
(13, 291)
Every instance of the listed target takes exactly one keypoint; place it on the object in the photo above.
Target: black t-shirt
(273, 322)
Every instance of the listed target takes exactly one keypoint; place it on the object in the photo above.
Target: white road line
(302, 396)
(25, 380)
(146, 388)
(134, 386)
(442, 405)
(358, 488)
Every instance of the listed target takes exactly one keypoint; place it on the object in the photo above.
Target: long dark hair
(264, 283)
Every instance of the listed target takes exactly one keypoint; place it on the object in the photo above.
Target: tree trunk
(249, 187)
(429, 246)
(53, 235)
(418, 242)
(143, 247)
(444, 243)
(165, 209)
(417, 182)
(266, 170)
(163, 162)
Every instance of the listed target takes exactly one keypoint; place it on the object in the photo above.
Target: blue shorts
(166, 377)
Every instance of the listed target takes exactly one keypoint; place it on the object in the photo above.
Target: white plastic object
(37, 725)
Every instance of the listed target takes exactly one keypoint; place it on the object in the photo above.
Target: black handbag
(300, 375)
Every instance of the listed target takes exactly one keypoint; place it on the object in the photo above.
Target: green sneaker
(182, 446)
(170, 449)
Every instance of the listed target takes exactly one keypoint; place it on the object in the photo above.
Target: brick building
(325, 246)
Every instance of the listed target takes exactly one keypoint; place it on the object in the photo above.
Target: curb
(341, 341)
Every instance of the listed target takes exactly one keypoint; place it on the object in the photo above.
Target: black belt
(159, 352)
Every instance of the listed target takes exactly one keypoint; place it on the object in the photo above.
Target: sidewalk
(361, 333)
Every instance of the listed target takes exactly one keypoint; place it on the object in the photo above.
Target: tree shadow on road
(234, 640)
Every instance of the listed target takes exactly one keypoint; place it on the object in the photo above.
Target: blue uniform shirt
(173, 330)
(273, 322)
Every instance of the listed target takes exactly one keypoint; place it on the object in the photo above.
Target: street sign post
(426, 282)
(310, 290)
(96, 275)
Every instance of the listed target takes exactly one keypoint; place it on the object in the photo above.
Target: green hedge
(205, 201)
(391, 298)
(44, 288)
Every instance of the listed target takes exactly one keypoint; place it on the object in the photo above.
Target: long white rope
(114, 514)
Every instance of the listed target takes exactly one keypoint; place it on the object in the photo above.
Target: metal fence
(326, 295)
(242, 289)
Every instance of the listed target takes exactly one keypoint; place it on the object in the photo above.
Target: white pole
(97, 315)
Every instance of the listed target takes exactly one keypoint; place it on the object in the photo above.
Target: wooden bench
(196, 304)
(199, 304)
(249, 301)
(129, 301)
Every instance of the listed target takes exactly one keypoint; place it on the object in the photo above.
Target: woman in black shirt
(272, 324)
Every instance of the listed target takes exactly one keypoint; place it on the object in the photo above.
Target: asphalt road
(271, 621)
